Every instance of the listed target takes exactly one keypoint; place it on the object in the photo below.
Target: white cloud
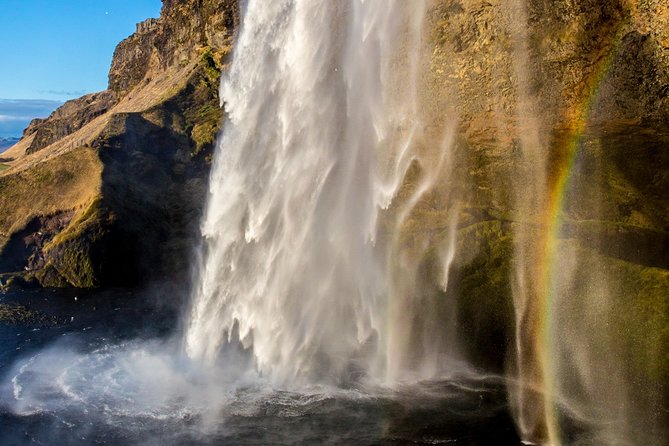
(16, 114)
(8, 118)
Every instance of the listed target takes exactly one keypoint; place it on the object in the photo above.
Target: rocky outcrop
(67, 119)
(176, 38)
(192, 25)
(129, 210)
(132, 59)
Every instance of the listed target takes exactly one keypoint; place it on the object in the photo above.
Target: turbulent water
(101, 378)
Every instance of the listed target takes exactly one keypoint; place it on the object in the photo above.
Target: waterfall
(319, 96)
(385, 200)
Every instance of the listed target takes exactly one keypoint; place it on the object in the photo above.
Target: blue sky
(55, 50)
(15, 114)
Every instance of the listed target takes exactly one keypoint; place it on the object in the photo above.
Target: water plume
(323, 119)
(574, 383)
(117, 385)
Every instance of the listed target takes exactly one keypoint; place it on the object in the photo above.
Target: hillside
(108, 188)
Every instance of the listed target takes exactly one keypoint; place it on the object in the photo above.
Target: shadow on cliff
(616, 201)
(154, 196)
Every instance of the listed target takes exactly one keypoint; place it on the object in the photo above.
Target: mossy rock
(203, 135)
(619, 305)
(607, 335)
(71, 256)
(634, 244)
(15, 314)
(480, 276)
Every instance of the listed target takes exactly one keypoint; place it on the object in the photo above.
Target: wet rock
(14, 314)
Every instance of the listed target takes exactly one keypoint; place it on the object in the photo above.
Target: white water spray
(290, 256)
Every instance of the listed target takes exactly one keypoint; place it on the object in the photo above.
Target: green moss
(203, 118)
(91, 216)
(620, 176)
(203, 134)
(481, 278)
(70, 257)
(637, 310)
(20, 315)
(211, 62)
(645, 316)
(59, 184)
(49, 277)
(196, 104)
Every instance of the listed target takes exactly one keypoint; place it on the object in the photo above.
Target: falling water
(317, 257)
(321, 111)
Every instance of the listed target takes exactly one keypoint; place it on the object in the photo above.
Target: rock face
(112, 183)
(132, 58)
(176, 38)
(542, 90)
(67, 119)
(558, 180)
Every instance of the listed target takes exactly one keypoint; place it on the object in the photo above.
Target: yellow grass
(70, 181)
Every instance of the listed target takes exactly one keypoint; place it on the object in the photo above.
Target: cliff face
(111, 184)
(554, 81)
(542, 89)
(175, 39)
(192, 25)
(561, 120)
(132, 58)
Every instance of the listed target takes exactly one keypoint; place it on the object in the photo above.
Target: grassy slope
(69, 182)
(182, 106)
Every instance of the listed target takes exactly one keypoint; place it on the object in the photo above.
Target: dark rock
(24, 249)
(15, 314)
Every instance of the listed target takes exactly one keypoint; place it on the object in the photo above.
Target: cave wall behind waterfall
(558, 178)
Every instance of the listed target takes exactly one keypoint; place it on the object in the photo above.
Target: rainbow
(551, 223)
